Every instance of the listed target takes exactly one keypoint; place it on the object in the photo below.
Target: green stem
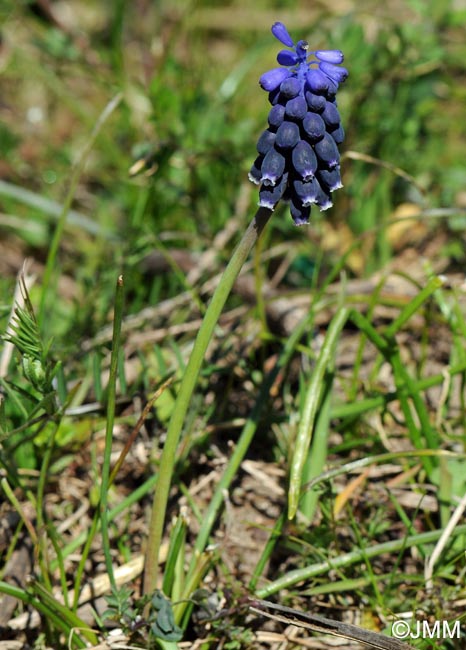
(269, 548)
(354, 409)
(187, 386)
(40, 514)
(111, 401)
(387, 457)
(54, 612)
(20, 510)
(405, 385)
(411, 308)
(292, 578)
(91, 532)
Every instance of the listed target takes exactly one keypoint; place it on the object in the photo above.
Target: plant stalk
(187, 386)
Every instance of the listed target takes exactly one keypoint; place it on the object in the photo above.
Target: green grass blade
(317, 456)
(412, 307)
(111, 402)
(54, 612)
(294, 577)
(312, 401)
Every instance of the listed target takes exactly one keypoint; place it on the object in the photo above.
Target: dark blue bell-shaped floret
(327, 152)
(299, 213)
(306, 191)
(255, 173)
(287, 135)
(329, 179)
(316, 103)
(338, 134)
(265, 141)
(290, 88)
(298, 157)
(276, 116)
(274, 96)
(330, 115)
(304, 160)
(273, 167)
(312, 192)
(296, 108)
(323, 200)
(269, 195)
(314, 127)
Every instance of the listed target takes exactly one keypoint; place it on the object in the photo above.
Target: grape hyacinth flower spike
(298, 157)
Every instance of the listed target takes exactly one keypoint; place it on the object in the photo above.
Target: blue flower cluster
(298, 157)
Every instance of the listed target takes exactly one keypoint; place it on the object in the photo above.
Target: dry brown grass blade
(138, 426)
(323, 625)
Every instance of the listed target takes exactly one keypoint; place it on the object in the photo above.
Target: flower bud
(316, 103)
(34, 372)
(317, 81)
(327, 151)
(273, 78)
(273, 167)
(314, 127)
(304, 160)
(337, 74)
(285, 57)
(290, 88)
(281, 33)
(287, 135)
(330, 56)
(323, 201)
(276, 116)
(330, 115)
(296, 108)
(338, 134)
(265, 141)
